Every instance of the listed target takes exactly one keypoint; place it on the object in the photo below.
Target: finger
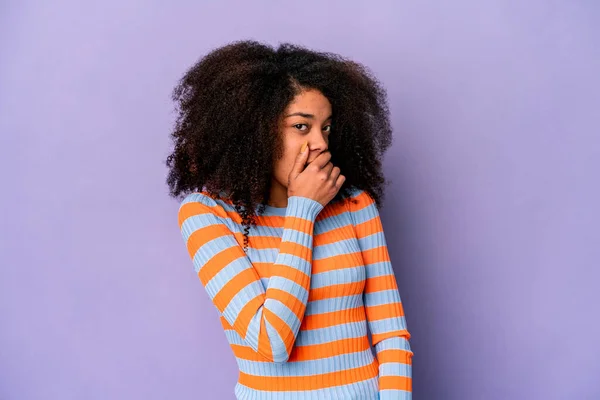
(340, 181)
(300, 162)
(327, 169)
(335, 172)
(322, 159)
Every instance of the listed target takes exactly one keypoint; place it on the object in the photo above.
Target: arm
(385, 314)
(269, 320)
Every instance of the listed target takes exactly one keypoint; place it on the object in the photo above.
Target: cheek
(284, 164)
(287, 164)
(290, 146)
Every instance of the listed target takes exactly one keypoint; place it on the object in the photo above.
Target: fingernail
(304, 146)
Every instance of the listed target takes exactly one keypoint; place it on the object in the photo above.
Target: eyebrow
(309, 116)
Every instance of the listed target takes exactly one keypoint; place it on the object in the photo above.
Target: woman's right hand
(319, 181)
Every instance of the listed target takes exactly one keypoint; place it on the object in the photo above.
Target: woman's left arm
(385, 314)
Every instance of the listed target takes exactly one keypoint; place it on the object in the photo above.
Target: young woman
(277, 163)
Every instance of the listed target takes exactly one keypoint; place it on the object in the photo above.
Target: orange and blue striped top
(296, 307)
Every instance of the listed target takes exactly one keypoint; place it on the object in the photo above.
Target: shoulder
(360, 205)
(198, 197)
(197, 203)
(358, 199)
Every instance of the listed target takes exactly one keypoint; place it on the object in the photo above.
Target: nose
(317, 141)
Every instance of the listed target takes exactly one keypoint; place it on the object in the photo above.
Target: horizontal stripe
(332, 333)
(379, 269)
(364, 390)
(398, 341)
(392, 356)
(336, 277)
(395, 394)
(378, 338)
(390, 310)
(296, 307)
(309, 352)
(324, 320)
(310, 367)
(380, 283)
(395, 382)
(395, 369)
(311, 382)
(335, 247)
(333, 304)
(336, 262)
(371, 241)
(382, 297)
(375, 255)
(387, 325)
(345, 289)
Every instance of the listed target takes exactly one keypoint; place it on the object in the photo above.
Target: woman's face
(306, 119)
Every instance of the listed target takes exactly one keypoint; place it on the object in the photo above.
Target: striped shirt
(295, 308)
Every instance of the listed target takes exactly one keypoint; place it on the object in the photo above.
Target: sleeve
(385, 314)
(268, 320)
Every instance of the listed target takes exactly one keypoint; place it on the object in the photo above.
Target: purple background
(492, 216)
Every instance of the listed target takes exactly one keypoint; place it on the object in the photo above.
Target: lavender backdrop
(492, 216)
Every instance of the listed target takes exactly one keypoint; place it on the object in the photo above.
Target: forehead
(312, 101)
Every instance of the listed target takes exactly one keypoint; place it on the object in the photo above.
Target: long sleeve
(268, 320)
(385, 314)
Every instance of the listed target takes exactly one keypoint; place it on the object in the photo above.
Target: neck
(278, 196)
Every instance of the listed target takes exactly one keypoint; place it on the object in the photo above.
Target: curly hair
(228, 105)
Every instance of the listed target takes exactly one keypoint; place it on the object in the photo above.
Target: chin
(277, 182)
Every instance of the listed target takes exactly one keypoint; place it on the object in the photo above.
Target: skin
(312, 126)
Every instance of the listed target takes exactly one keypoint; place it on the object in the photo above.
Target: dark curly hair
(228, 105)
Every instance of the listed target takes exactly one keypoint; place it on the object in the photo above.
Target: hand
(319, 181)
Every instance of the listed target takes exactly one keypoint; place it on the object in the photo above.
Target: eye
(328, 128)
(297, 126)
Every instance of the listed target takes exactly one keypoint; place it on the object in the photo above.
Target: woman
(290, 250)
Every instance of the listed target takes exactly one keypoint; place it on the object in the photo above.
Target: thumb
(300, 162)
